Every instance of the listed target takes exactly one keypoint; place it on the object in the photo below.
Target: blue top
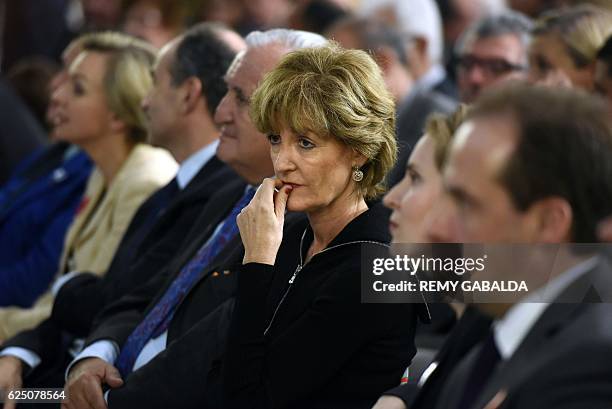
(37, 205)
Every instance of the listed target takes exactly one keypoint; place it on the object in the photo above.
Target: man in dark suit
(531, 165)
(168, 341)
(189, 86)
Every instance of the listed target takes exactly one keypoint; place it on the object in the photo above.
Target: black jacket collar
(371, 225)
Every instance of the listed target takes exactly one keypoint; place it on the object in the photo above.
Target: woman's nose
(58, 94)
(393, 198)
(284, 160)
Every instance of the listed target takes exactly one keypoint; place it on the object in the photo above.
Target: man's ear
(191, 94)
(419, 44)
(386, 58)
(554, 218)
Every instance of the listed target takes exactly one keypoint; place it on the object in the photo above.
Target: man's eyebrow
(239, 93)
(461, 195)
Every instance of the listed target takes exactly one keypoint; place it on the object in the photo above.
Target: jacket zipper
(301, 266)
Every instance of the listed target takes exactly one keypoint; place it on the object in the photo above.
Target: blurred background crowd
(437, 44)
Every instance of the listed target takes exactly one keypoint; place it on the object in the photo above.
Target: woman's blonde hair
(583, 30)
(333, 92)
(441, 129)
(128, 76)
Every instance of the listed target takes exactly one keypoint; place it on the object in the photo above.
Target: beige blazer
(99, 225)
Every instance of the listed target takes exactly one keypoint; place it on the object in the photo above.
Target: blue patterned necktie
(159, 317)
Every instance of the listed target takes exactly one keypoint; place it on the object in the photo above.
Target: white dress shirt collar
(513, 327)
(192, 165)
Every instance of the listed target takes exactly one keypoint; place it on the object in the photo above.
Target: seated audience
(330, 123)
(511, 178)
(565, 46)
(99, 110)
(177, 364)
(193, 234)
(491, 51)
(192, 66)
(37, 204)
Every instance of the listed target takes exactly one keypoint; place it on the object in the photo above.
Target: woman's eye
(305, 143)
(274, 139)
(414, 176)
(78, 89)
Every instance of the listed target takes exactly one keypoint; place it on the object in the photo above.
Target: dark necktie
(159, 317)
(481, 372)
(154, 207)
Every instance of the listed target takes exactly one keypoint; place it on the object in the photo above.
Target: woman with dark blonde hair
(300, 335)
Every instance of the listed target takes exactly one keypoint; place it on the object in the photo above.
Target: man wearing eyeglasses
(491, 51)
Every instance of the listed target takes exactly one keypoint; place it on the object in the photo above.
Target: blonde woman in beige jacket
(98, 109)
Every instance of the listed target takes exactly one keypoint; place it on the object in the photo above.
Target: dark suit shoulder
(448, 88)
(573, 373)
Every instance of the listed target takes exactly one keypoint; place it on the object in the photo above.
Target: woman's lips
(58, 120)
(226, 133)
(393, 225)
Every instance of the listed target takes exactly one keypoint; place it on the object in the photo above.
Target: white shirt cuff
(59, 283)
(105, 350)
(27, 356)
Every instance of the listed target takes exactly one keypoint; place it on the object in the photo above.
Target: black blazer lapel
(204, 185)
(213, 213)
(201, 184)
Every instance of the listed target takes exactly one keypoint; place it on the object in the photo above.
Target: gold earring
(357, 174)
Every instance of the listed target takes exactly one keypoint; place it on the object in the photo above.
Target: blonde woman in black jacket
(300, 336)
